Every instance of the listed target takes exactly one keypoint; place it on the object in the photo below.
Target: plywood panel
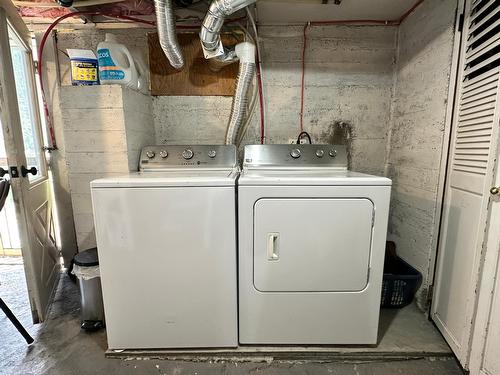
(196, 79)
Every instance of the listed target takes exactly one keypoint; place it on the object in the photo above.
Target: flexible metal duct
(212, 25)
(246, 53)
(165, 22)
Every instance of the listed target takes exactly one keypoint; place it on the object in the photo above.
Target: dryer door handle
(273, 246)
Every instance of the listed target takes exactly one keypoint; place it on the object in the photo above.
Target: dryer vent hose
(165, 21)
(246, 53)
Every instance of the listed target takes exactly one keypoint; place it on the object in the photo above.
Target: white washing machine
(311, 247)
(167, 249)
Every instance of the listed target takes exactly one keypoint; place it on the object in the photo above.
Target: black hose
(304, 134)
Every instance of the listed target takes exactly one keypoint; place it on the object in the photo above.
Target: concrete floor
(62, 348)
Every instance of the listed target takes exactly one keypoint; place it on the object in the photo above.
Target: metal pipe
(212, 25)
(165, 22)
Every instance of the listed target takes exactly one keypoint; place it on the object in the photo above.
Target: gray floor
(62, 348)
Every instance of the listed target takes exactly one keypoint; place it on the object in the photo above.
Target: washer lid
(170, 179)
(313, 177)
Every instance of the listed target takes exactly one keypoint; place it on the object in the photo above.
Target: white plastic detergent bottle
(116, 64)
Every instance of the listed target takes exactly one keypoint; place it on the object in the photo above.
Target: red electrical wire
(50, 126)
(410, 11)
(261, 101)
(341, 22)
(86, 13)
(304, 47)
(40, 59)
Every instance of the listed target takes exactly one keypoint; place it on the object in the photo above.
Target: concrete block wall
(104, 129)
(382, 90)
(422, 79)
(349, 79)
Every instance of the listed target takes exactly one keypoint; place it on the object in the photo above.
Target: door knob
(495, 190)
(25, 171)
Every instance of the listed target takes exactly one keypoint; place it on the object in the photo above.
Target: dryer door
(312, 245)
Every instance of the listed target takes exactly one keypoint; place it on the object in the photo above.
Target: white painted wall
(425, 41)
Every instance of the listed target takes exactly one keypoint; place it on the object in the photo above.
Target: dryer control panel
(166, 157)
(295, 156)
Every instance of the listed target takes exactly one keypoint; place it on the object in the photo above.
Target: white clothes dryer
(311, 247)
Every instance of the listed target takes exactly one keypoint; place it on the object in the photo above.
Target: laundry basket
(400, 281)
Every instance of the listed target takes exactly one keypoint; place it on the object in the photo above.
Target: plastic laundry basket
(86, 269)
(400, 283)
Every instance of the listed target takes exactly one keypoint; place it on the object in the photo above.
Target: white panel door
(469, 177)
(20, 120)
(486, 337)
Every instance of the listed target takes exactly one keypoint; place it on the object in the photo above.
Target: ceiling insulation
(269, 12)
(50, 9)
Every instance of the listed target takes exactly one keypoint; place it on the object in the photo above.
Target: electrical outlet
(293, 141)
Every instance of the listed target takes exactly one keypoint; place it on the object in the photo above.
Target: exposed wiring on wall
(50, 125)
(302, 86)
(301, 135)
(43, 41)
(361, 22)
(259, 77)
(261, 100)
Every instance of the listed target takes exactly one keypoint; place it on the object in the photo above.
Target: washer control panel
(165, 157)
(295, 156)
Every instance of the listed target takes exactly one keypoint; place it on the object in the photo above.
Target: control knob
(212, 154)
(163, 153)
(320, 153)
(187, 153)
(150, 154)
(332, 153)
(295, 153)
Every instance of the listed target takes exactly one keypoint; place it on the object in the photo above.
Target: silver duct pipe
(212, 25)
(165, 22)
(246, 53)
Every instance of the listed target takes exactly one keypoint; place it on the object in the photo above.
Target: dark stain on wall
(339, 133)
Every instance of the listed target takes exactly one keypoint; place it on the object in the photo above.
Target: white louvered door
(471, 167)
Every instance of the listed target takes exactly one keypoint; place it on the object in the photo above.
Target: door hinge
(461, 22)
(49, 148)
(430, 293)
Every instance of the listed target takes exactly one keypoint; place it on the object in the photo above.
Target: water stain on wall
(339, 133)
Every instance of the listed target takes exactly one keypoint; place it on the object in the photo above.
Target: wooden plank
(196, 79)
